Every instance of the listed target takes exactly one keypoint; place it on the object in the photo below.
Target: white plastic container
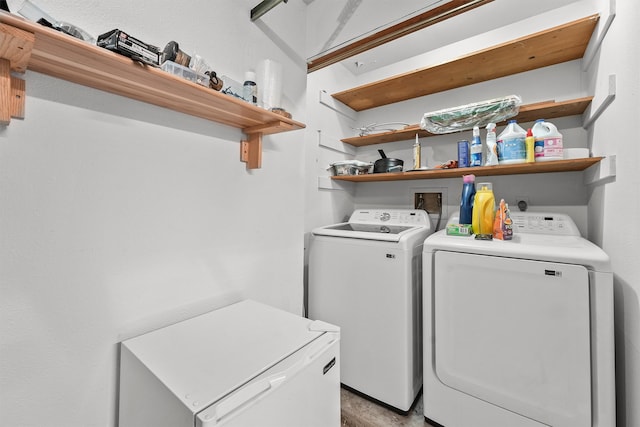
(548, 144)
(511, 144)
(185, 72)
(33, 13)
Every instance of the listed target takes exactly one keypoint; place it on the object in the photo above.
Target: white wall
(118, 217)
(616, 203)
(325, 127)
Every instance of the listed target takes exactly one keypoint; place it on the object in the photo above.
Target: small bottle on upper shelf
(417, 154)
(249, 88)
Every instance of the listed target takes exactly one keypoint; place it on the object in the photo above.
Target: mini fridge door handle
(244, 395)
(236, 401)
(217, 413)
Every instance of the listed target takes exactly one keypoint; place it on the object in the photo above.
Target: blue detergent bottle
(466, 200)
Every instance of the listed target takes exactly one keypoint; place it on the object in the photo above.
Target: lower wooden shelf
(571, 165)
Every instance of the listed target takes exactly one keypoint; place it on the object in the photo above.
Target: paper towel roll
(576, 153)
(269, 75)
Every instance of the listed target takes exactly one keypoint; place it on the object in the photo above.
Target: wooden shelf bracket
(586, 122)
(251, 150)
(15, 51)
(594, 45)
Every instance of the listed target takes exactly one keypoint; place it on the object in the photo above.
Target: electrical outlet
(430, 202)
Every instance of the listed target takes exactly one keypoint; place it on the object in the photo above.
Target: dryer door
(515, 333)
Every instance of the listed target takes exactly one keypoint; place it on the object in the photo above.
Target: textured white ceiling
(345, 20)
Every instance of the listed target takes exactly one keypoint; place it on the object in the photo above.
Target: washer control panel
(543, 223)
(417, 217)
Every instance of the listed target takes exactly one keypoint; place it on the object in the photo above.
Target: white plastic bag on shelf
(467, 116)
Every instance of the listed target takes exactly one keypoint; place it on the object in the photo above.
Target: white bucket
(548, 145)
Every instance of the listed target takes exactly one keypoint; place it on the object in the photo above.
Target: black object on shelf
(120, 42)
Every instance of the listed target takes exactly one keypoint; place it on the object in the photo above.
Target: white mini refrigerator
(246, 364)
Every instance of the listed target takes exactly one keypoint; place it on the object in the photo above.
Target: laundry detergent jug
(511, 144)
(484, 209)
(548, 141)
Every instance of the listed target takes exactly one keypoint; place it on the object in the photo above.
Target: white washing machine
(519, 333)
(365, 276)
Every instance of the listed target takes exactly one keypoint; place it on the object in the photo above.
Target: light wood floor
(360, 412)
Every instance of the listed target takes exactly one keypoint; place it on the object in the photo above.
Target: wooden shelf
(404, 134)
(65, 57)
(571, 165)
(552, 46)
(527, 113)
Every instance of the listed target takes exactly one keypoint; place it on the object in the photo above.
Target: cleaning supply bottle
(530, 141)
(417, 154)
(503, 225)
(463, 154)
(492, 149)
(511, 146)
(476, 148)
(484, 208)
(249, 88)
(466, 200)
(548, 141)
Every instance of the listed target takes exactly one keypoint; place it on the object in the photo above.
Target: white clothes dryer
(519, 333)
(365, 276)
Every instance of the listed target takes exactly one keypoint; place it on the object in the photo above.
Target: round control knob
(522, 205)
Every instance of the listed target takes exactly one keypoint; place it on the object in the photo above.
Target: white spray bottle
(492, 146)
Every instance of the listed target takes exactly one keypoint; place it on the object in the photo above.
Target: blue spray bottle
(476, 148)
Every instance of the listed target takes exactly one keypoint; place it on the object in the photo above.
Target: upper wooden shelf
(65, 57)
(571, 165)
(552, 46)
(527, 113)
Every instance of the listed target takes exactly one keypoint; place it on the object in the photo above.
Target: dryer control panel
(544, 223)
(416, 217)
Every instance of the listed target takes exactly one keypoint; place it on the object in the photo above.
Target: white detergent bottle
(548, 141)
(511, 144)
(492, 149)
